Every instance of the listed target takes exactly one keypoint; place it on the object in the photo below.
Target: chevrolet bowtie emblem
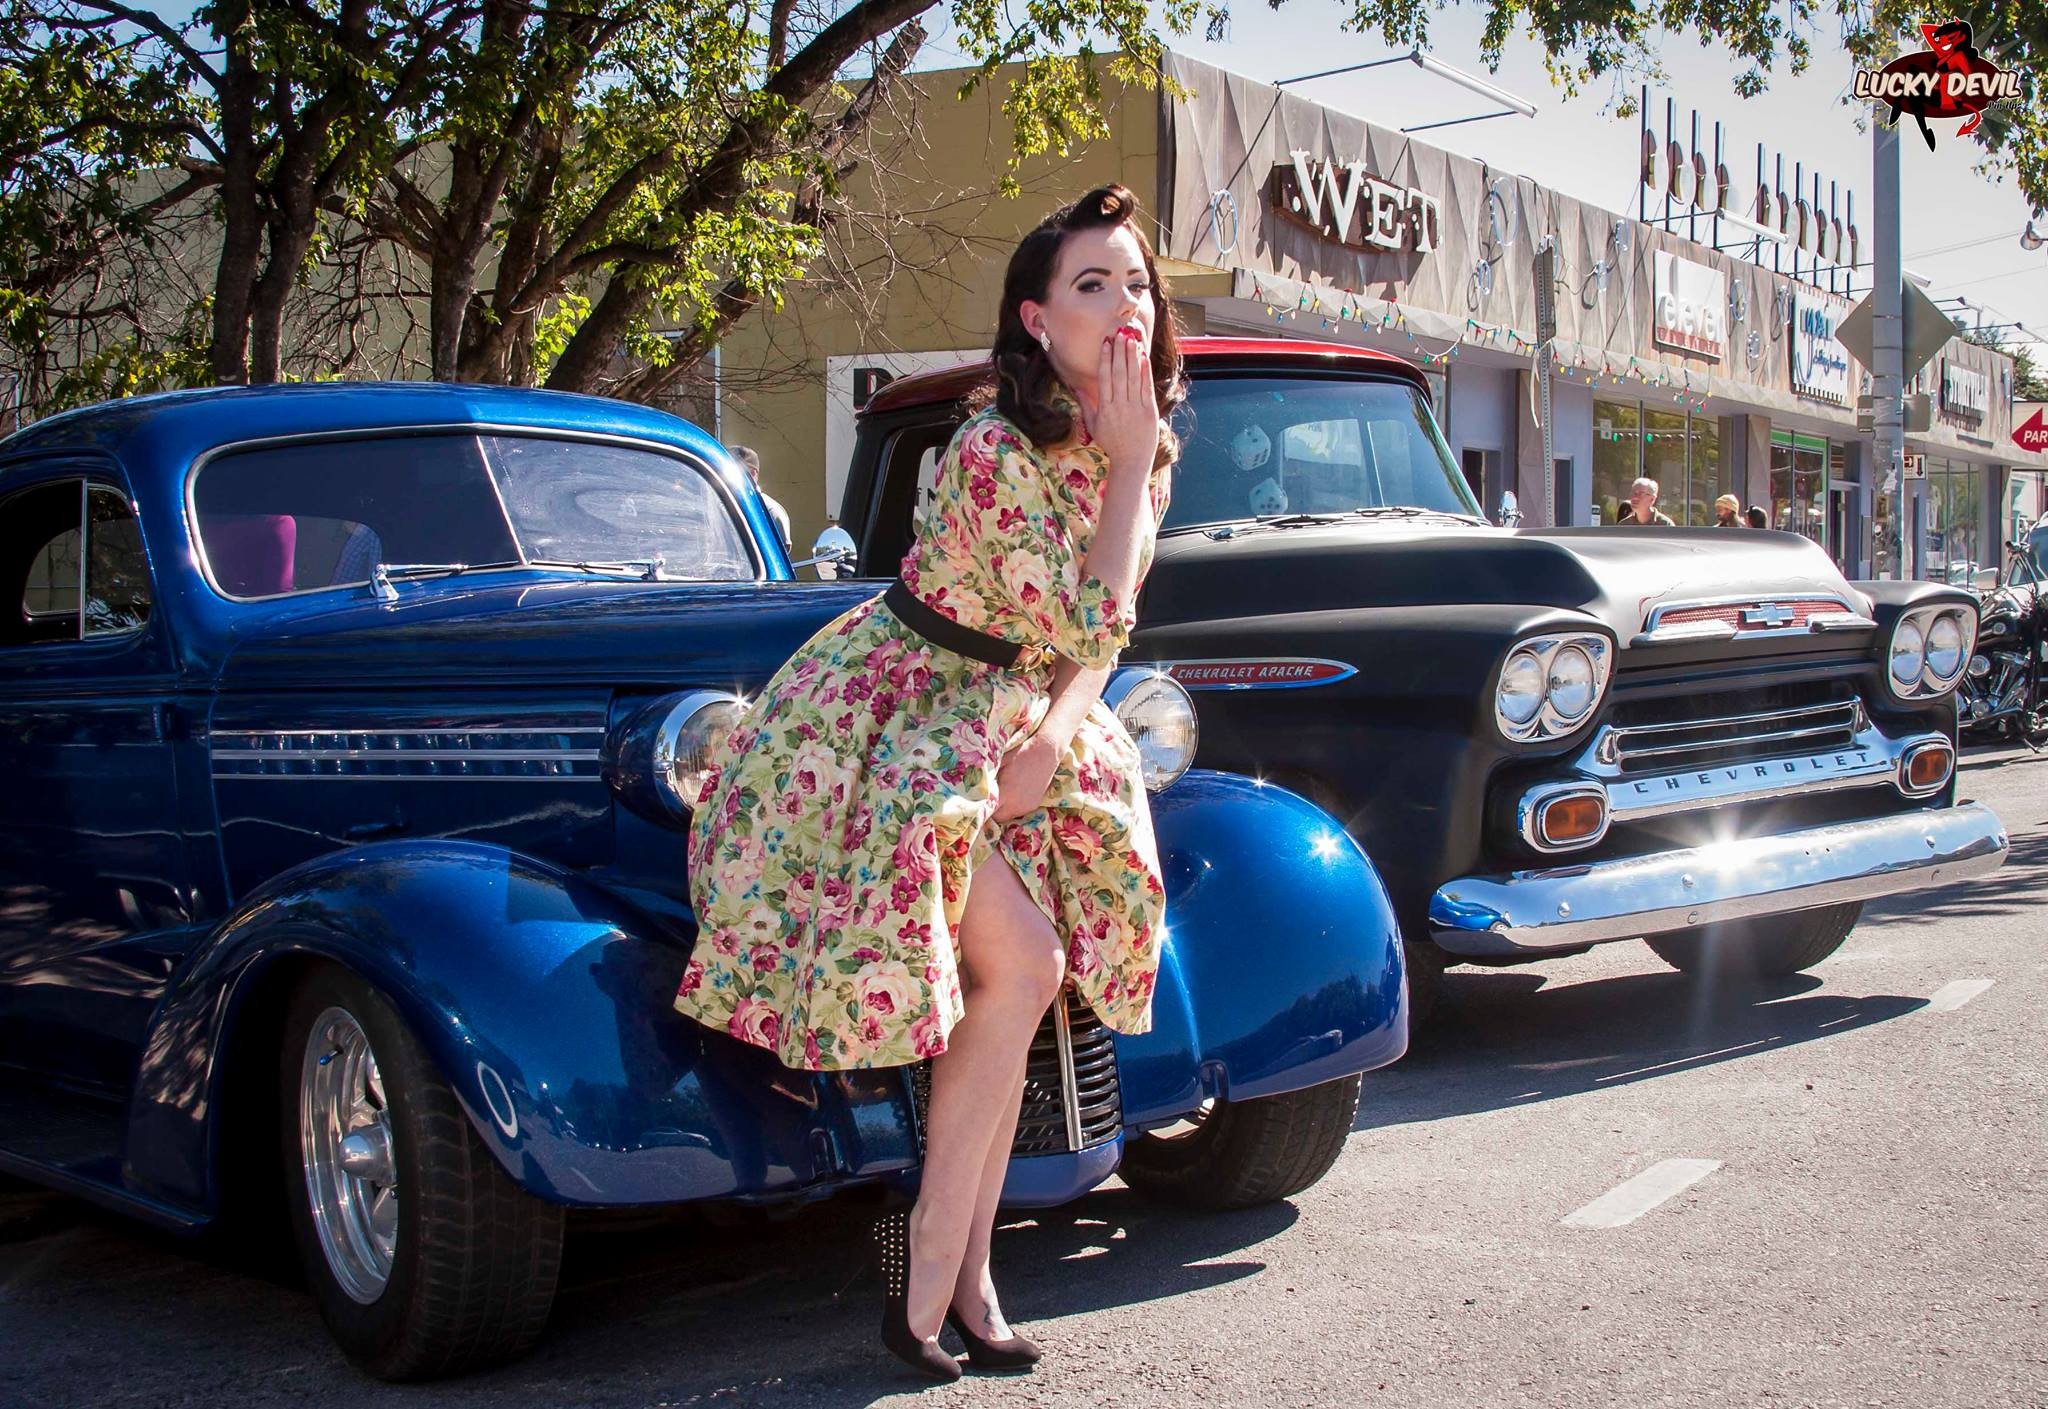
(1768, 614)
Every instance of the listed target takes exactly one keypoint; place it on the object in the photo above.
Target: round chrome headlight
(1550, 685)
(1945, 647)
(1521, 688)
(1574, 684)
(1155, 709)
(660, 757)
(1908, 654)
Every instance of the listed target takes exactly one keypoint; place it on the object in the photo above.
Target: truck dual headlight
(1155, 708)
(1930, 647)
(1550, 685)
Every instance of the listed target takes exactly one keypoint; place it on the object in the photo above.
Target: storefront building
(1281, 217)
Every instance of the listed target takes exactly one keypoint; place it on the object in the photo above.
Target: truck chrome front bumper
(1565, 907)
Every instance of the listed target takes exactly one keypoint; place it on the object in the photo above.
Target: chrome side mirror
(833, 555)
(1510, 510)
(1986, 580)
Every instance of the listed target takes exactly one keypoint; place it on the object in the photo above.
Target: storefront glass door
(1799, 479)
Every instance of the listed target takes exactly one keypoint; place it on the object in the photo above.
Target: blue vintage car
(346, 734)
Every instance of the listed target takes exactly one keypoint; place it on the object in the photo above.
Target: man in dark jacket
(1642, 507)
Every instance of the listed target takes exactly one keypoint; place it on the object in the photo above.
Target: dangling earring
(1045, 341)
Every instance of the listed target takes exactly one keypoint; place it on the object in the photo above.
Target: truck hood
(532, 633)
(1617, 574)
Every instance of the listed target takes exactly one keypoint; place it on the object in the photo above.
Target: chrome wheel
(345, 1143)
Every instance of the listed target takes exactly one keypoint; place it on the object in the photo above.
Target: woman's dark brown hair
(1024, 376)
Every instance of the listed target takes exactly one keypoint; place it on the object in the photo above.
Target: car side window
(71, 562)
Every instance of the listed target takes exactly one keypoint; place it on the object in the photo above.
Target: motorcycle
(2001, 694)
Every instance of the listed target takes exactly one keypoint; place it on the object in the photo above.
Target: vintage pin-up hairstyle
(1024, 376)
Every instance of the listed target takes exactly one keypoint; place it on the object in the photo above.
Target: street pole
(1888, 333)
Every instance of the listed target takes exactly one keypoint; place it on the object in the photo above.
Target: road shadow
(1508, 1037)
(675, 1311)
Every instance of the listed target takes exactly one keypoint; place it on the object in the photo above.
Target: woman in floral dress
(906, 848)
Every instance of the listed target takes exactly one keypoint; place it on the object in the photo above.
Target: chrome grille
(1706, 739)
(1072, 1099)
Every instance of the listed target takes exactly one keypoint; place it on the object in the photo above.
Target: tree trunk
(241, 246)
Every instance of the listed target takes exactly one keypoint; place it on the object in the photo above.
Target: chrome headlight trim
(658, 760)
(1915, 631)
(1158, 713)
(1549, 720)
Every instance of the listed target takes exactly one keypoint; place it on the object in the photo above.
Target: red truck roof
(952, 383)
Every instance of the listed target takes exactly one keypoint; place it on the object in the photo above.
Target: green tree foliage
(555, 180)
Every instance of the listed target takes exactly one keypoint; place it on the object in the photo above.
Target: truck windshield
(308, 515)
(1259, 445)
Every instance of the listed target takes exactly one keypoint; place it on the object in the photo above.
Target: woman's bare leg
(1014, 965)
(974, 1290)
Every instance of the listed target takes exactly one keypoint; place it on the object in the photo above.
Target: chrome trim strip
(1623, 732)
(408, 778)
(1529, 913)
(1871, 760)
(413, 755)
(1775, 736)
(1070, 1094)
(579, 731)
(1740, 599)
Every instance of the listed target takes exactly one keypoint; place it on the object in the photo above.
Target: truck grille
(1671, 735)
(1072, 1099)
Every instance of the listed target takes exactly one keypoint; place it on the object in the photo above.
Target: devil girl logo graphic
(1948, 78)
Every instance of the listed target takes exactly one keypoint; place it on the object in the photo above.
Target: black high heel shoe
(892, 1244)
(1009, 1353)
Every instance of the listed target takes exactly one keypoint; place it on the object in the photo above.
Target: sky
(1577, 147)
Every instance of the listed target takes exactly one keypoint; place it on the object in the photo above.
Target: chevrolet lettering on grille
(1846, 761)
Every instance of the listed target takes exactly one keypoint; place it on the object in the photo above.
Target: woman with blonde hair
(928, 824)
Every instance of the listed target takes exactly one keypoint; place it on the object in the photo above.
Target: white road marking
(1630, 1201)
(1951, 996)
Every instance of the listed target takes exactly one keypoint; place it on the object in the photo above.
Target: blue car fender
(1281, 967)
(542, 999)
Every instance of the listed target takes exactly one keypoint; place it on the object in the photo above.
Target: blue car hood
(533, 632)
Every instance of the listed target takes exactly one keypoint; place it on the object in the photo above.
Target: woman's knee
(1012, 948)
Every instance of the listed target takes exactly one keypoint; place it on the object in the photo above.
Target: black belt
(942, 630)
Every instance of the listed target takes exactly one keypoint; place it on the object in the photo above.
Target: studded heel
(892, 1246)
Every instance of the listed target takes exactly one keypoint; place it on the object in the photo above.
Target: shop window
(1953, 503)
(1707, 476)
(1664, 462)
(1617, 452)
(1799, 480)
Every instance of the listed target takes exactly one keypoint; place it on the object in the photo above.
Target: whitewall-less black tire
(423, 1257)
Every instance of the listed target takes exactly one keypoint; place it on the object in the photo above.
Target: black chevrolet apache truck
(1545, 739)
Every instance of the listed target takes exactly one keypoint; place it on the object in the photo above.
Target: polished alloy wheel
(345, 1141)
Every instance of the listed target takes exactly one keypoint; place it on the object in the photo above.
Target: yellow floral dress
(831, 851)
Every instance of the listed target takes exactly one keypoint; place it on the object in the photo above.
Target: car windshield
(2037, 551)
(307, 515)
(1259, 446)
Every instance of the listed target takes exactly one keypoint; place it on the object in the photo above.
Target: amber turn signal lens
(1576, 817)
(1929, 768)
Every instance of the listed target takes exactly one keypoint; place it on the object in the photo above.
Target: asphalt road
(1858, 1218)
